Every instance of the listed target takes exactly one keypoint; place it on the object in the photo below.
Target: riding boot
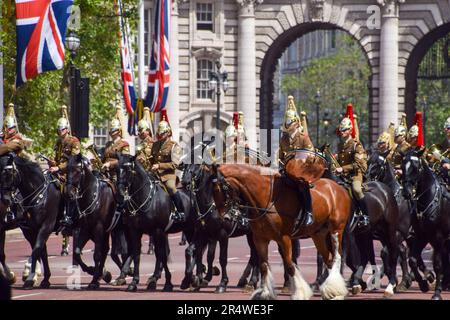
(308, 219)
(67, 221)
(363, 220)
(179, 212)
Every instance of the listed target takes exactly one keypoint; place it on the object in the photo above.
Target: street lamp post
(218, 81)
(424, 108)
(326, 122)
(73, 43)
(317, 99)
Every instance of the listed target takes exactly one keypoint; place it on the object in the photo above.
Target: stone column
(246, 74)
(173, 103)
(388, 108)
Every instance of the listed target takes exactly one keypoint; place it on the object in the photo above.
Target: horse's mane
(28, 165)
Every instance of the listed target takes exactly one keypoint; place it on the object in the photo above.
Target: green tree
(38, 101)
(341, 77)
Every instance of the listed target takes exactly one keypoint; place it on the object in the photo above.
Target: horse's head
(412, 167)
(376, 166)
(76, 169)
(9, 177)
(125, 172)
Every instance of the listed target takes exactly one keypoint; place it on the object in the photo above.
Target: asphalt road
(17, 251)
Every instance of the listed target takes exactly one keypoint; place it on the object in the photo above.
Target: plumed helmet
(413, 131)
(163, 127)
(400, 131)
(10, 118)
(385, 137)
(291, 115)
(346, 124)
(447, 123)
(116, 123)
(144, 123)
(63, 122)
(230, 132)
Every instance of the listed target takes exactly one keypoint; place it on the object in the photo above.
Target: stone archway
(412, 67)
(274, 52)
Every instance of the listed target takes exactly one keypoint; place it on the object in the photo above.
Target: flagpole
(1, 74)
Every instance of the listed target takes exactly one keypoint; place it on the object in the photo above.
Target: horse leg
(319, 276)
(329, 246)
(439, 254)
(36, 254)
(212, 245)
(391, 262)
(45, 283)
(160, 253)
(78, 244)
(417, 246)
(168, 286)
(10, 276)
(223, 259)
(135, 244)
(266, 289)
(248, 268)
(189, 266)
(373, 282)
(406, 278)
(98, 270)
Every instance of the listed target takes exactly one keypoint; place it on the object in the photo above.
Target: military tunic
(353, 159)
(397, 157)
(64, 148)
(144, 152)
(167, 154)
(112, 148)
(298, 140)
(14, 144)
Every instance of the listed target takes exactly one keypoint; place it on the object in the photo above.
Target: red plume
(420, 139)
(235, 120)
(164, 116)
(349, 115)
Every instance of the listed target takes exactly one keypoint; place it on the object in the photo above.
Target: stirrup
(309, 220)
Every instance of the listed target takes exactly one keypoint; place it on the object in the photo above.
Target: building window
(205, 16)
(203, 68)
(100, 136)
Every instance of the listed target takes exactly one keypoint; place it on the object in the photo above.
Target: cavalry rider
(384, 146)
(235, 140)
(444, 149)
(294, 137)
(402, 146)
(166, 155)
(116, 146)
(12, 142)
(353, 162)
(144, 149)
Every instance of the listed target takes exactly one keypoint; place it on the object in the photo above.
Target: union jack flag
(159, 73)
(129, 94)
(41, 30)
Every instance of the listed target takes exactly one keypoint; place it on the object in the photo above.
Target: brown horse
(274, 206)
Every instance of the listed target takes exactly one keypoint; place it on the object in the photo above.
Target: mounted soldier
(295, 137)
(166, 155)
(386, 144)
(235, 140)
(116, 146)
(439, 154)
(144, 149)
(352, 159)
(402, 146)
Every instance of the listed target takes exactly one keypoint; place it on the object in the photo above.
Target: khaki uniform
(298, 141)
(64, 148)
(113, 147)
(353, 159)
(144, 153)
(167, 155)
(388, 154)
(397, 157)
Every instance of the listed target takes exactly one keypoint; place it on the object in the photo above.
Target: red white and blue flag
(41, 31)
(159, 71)
(127, 74)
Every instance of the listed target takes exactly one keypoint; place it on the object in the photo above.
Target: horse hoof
(203, 283)
(436, 297)
(45, 284)
(424, 287)
(12, 278)
(119, 282)
(107, 277)
(184, 284)
(315, 287)
(356, 289)
(151, 285)
(132, 287)
(430, 277)
(285, 290)
(221, 289)
(28, 284)
(93, 286)
(403, 286)
(168, 287)
(216, 271)
(249, 288)
(242, 283)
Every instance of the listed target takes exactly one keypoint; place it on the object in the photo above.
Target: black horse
(41, 199)
(4, 206)
(93, 199)
(148, 210)
(430, 220)
(197, 179)
(379, 169)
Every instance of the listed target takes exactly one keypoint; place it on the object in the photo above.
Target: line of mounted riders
(398, 196)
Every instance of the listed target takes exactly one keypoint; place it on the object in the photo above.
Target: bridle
(193, 186)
